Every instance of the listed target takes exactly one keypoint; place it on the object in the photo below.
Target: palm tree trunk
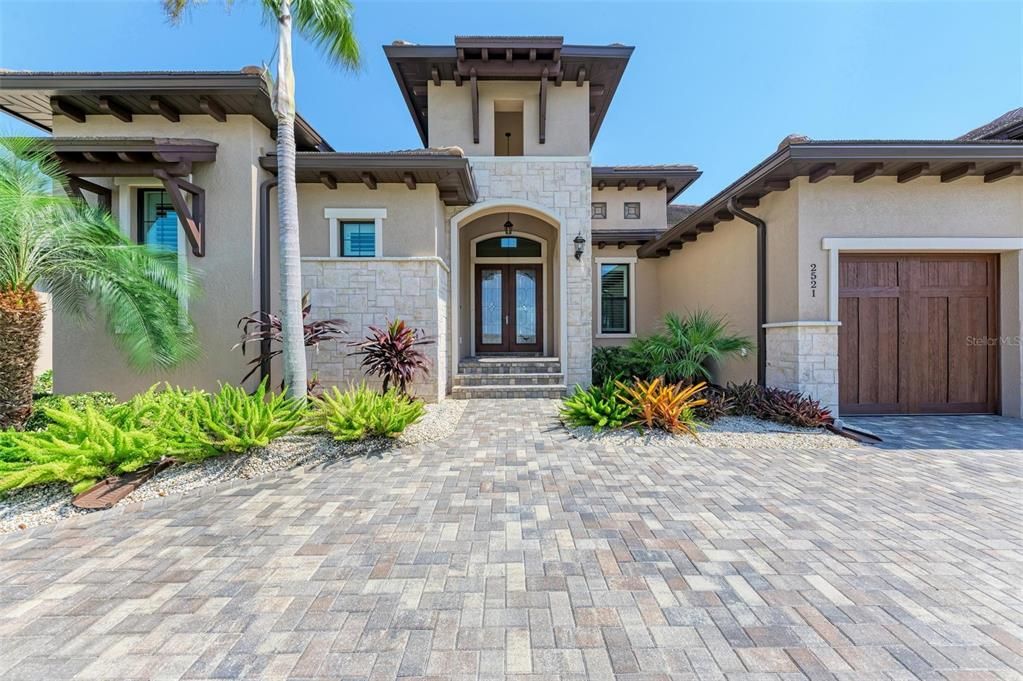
(21, 328)
(287, 205)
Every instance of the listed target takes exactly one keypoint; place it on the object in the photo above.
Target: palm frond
(328, 24)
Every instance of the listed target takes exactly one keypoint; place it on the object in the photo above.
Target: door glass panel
(525, 306)
(491, 306)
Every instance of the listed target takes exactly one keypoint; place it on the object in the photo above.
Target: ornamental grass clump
(599, 406)
(669, 406)
(361, 412)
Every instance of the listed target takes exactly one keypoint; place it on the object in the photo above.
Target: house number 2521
(813, 280)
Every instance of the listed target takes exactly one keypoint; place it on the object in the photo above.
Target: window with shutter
(614, 298)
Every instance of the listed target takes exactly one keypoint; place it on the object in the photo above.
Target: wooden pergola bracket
(104, 195)
(474, 95)
(543, 106)
(192, 219)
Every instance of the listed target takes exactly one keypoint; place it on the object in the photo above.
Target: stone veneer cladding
(804, 358)
(562, 187)
(367, 291)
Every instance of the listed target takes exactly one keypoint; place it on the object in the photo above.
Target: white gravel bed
(727, 432)
(44, 504)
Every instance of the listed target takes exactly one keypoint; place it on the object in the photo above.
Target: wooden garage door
(911, 340)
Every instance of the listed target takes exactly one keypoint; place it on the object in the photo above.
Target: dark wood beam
(600, 245)
(621, 185)
(458, 78)
(109, 105)
(559, 77)
(704, 227)
(61, 106)
(474, 95)
(449, 196)
(98, 157)
(435, 75)
(133, 156)
(193, 218)
(212, 108)
(641, 185)
(748, 202)
(776, 185)
(601, 184)
(328, 180)
(104, 195)
(867, 171)
(823, 171)
(121, 169)
(580, 77)
(369, 180)
(911, 172)
(955, 172)
(676, 245)
(661, 185)
(543, 107)
(723, 216)
(688, 237)
(1002, 172)
(621, 245)
(159, 105)
(410, 180)
(663, 252)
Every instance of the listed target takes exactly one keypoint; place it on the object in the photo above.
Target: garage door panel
(905, 341)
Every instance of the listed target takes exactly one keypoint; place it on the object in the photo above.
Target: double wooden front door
(918, 335)
(509, 308)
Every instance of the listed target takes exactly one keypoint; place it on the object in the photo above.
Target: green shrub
(360, 412)
(616, 362)
(43, 384)
(717, 404)
(80, 447)
(77, 402)
(196, 425)
(684, 350)
(600, 406)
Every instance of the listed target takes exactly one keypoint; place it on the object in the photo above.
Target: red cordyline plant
(391, 354)
(260, 326)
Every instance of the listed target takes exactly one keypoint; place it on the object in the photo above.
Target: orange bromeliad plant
(657, 404)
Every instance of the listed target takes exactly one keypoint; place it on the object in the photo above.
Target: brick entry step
(508, 377)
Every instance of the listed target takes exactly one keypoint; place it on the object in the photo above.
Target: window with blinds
(358, 239)
(614, 298)
(157, 221)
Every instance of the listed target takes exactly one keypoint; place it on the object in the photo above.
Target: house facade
(880, 277)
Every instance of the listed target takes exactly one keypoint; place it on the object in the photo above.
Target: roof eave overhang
(775, 165)
(677, 180)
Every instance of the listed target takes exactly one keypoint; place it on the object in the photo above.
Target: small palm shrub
(656, 404)
(599, 406)
(391, 353)
(77, 402)
(80, 447)
(683, 351)
(776, 404)
(361, 412)
(617, 362)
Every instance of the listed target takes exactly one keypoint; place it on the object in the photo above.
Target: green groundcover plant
(360, 412)
(86, 441)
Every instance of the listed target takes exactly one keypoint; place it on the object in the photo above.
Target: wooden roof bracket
(474, 95)
(192, 219)
(74, 185)
(543, 106)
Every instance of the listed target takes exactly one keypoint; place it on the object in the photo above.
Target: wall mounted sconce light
(579, 242)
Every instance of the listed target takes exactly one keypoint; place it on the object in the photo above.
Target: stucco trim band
(406, 258)
(781, 325)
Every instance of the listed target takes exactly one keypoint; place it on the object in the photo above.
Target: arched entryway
(507, 282)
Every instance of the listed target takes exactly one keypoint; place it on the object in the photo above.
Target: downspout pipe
(761, 225)
(264, 272)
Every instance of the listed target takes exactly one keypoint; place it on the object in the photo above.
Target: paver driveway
(511, 549)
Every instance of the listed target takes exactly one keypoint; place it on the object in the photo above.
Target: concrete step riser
(508, 368)
(506, 379)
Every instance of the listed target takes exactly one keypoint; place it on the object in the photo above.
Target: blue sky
(717, 84)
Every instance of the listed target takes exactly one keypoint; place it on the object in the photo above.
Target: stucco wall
(647, 294)
(370, 291)
(653, 210)
(413, 226)
(84, 355)
(568, 115)
(717, 272)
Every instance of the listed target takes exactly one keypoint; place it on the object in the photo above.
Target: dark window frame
(140, 212)
(627, 299)
(341, 224)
